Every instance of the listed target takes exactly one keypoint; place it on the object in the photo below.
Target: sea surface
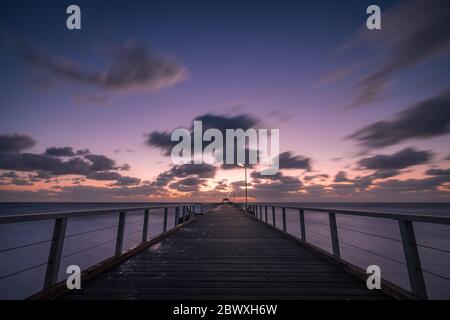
(364, 241)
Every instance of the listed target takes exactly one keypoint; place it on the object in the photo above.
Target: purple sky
(363, 115)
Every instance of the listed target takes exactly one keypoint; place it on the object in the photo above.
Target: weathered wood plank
(225, 255)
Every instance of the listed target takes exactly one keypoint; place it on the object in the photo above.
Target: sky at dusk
(364, 115)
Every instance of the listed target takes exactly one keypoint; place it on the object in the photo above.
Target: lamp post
(245, 171)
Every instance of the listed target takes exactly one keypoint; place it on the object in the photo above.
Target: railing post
(54, 257)
(273, 216)
(302, 224)
(284, 219)
(334, 234)
(165, 219)
(183, 213)
(266, 212)
(412, 258)
(120, 232)
(145, 227)
(177, 212)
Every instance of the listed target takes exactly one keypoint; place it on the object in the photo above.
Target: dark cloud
(21, 182)
(9, 174)
(385, 190)
(258, 176)
(341, 176)
(134, 67)
(321, 176)
(161, 139)
(289, 161)
(82, 152)
(14, 143)
(101, 162)
(191, 184)
(43, 175)
(399, 160)
(438, 172)
(123, 181)
(104, 175)
(385, 173)
(222, 185)
(195, 171)
(60, 151)
(200, 170)
(278, 186)
(360, 183)
(426, 119)
(405, 43)
(186, 170)
(124, 167)
(57, 161)
(223, 122)
(42, 162)
(412, 185)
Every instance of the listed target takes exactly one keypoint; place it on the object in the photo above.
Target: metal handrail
(78, 213)
(60, 224)
(405, 222)
(373, 214)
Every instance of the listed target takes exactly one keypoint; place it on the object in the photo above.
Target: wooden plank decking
(225, 255)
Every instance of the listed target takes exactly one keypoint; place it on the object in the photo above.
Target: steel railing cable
(435, 274)
(433, 248)
(25, 245)
(370, 234)
(371, 252)
(135, 221)
(318, 233)
(386, 257)
(316, 222)
(88, 248)
(132, 233)
(356, 247)
(23, 270)
(90, 231)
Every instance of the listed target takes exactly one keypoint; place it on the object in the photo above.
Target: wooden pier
(225, 251)
(225, 254)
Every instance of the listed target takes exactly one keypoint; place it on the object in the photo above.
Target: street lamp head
(241, 165)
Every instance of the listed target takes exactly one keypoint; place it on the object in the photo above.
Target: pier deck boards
(225, 255)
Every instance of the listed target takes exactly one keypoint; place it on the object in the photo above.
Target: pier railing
(182, 213)
(266, 212)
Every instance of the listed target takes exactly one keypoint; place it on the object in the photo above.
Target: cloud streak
(425, 119)
(134, 66)
(399, 160)
(404, 43)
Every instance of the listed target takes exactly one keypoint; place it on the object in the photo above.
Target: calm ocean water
(89, 240)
